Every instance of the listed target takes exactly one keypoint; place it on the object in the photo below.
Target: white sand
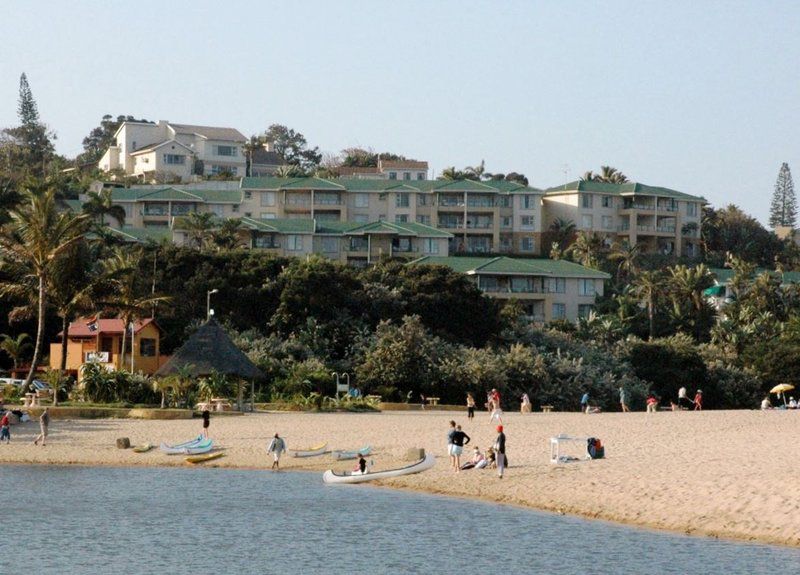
(722, 473)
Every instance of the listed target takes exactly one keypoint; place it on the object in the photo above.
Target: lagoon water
(199, 520)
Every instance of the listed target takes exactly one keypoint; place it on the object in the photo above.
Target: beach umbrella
(781, 389)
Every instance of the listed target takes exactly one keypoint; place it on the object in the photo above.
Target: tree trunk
(37, 352)
(63, 365)
(163, 397)
(122, 347)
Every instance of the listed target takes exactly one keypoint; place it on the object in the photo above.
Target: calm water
(126, 521)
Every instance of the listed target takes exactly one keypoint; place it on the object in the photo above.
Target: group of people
(495, 456)
(652, 401)
(44, 425)
(792, 404)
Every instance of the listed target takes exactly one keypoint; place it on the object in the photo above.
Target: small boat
(192, 448)
(203, 458)
(144, 448)
(342, 455)
(331, 476)
(178, 446)
(311, 451)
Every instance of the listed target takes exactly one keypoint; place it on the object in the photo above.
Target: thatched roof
(210, 349)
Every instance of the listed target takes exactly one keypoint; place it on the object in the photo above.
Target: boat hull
(203, 458)
(332, 477)
(344, 455)
(203, 446)
(312, 452)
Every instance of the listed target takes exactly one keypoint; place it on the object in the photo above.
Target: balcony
(450, 224)
(639, 207)
(666, 229)
(479, 226)
(155, 211)
(182, 210)
(667, 208)
(451, 202)
(327, 201)
(534, 318)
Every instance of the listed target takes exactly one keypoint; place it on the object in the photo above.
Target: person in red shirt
(698, 400)
(5, 428)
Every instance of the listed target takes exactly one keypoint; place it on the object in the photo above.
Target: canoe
(144, 448)
(342, 455)
(331, 476)
(311, 451)
(203, 446)
(206, 457)
(197, 439)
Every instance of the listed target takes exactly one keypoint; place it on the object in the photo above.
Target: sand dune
(722, 473)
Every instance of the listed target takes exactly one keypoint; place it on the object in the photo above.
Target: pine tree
(783, 209)
(27, 111)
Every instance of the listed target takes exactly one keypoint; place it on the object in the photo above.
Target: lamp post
(209, 293)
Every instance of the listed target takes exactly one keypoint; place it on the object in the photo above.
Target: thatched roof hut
(210, 349)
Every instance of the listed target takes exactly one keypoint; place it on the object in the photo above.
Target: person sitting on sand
(477, 457)
(792, 403)
(491, 459)
(652, 403)
(765, 403)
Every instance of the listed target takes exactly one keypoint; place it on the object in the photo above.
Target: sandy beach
(719, 473)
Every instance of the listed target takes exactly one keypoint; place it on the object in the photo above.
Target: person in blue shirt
(585, 403)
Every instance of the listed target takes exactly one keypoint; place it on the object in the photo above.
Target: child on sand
(698, 400)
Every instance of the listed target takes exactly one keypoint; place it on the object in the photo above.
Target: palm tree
(627, 255)
(451, 174)
(226, 237)
(101, 204)
(475, 172)
(562, 230)
(647, 286)
(607, 174)
(198, 226)
(586, 248)
(15, 347)
(686, 285)
(289, 171)
(30, 247)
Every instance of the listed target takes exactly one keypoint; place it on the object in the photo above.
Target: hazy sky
(699, 96)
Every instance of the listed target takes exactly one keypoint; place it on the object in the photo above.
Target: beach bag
(595, 448)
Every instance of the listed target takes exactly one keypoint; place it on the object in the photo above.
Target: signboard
(97, 356)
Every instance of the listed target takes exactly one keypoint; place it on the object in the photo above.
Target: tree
(27, 148)
(783, 209)
(587, 248)
(730, 230)
(628, 257)
(198, 227)
(561, 231)
(30, 247)
(101, 137)
(101, 204)
(647, 286)
(27, 111)
(15, 347)
(607, 174)
(686, 286)
(293, 147)
(226, 236)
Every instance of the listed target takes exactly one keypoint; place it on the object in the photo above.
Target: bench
(547, 408)
(433, 401)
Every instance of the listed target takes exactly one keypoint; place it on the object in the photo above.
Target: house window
(586, 222)
(527, 222)
(174, 159)
(420, 175)
(586, 287)
(559, 311)
(392, 175)
(361, 201)
(133, 145)
(424, 220)
(226, 150)
(527, 245)
(406, 175)
(294, 243)
(422, 200)
(608, 222)
(235, 209)
(506, 222)
(267, 199)
(528, 201)
(267, 216)
(218, 210)
(330, 245)
(361, 218)
(401, 218)
(401, 200)
(216, 169)
(606, 201)
(557, 285)
(430, 246)
(248, 214)
(586, 200)
(248, 195)
(584, 310)
(147, 347)
(691, 209)
(266, 241)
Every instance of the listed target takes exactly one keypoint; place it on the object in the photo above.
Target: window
(420, 175)
(607, 201)
(488, 283)
(608, 222)
(526, 245)
(522, 285)
(422, 200)
(424, 220)
(430, 246)
(248, 195)
(584, 310)
(267, 199)
(217, 169)
(358, 244)
(147, 347)
(235, 209)
(401, 200)
(174, 159)
(557, 285)
(361, 218)
(401, 244)
(586, 222)
(528, 202)
(226, 150)
(361, 201)
(586, 200)
(506, 222)
(330, 245)
(248, 214)
(559, 311)
(406, 175)
(691, 209)
(392, 175)
(266, 241)
(527, 222)
(401, 218)
(133, 145)
(294, 243)
(267, 216)
(128, 211)
(586, 287)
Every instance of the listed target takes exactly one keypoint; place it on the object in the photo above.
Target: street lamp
(208, 302)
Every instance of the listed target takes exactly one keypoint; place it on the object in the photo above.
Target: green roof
(141, 235)
(282, 226)
(502, 265)
(627, 189)
(309, 226)
(176, 195)
(368, 185)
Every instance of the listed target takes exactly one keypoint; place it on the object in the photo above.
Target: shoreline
(664, 472)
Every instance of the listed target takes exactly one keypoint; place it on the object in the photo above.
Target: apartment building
(174, 151)
(387, 170)
(547, 289)
(658, 219)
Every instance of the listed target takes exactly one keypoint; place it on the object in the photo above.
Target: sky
(701, 97)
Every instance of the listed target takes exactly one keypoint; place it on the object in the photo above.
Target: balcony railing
(479, 225)
(536, 317)
(298, 201)
(666, 229)
(480, 203)
(451, 202)
(451, 224)
(327, 201)
(638, 207)
(667, 208)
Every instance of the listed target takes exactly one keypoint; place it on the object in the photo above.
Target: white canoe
(310, 452)
(331, 476)
(342, 455)
(191, 448)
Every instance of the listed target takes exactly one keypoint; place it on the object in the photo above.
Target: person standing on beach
(44, 423)
(525, 406)
(460, 439)
(5, 428)
(494, 403)
(450, 444)
(683, 399)
(206, 422)
(623, 399)
(470, 407)
(500, 451)
(698, 400)
(585, 402)
(276, 447)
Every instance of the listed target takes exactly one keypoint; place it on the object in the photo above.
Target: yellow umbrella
(780, 388)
